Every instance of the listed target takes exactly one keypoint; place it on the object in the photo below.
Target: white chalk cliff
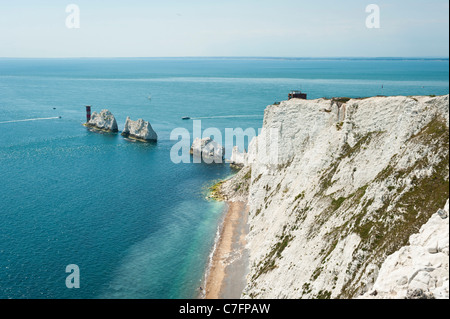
(140, 130)
(103, 121)
(339, 188)
(421, 269)
(207, 149)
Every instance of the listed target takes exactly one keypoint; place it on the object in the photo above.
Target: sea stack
(207, 148)
(139, 130)
(238, 159)
(104, 121)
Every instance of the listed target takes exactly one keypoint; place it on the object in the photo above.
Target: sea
(120, 219)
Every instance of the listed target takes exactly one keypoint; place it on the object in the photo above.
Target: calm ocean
(136, 224)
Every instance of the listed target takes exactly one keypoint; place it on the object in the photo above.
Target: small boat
(185, 118)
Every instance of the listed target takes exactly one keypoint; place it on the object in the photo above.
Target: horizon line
(242, 57)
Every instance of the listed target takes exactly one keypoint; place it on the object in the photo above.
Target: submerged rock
(139, 130)
(103, 121)
(207, 148)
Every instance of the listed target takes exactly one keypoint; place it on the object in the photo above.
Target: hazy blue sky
(294, 28)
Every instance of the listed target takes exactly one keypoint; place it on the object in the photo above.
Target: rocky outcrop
(339, 187)
(208, 150)
(238, 159)
(421, 269)
(234, 190)
(103, 121)
(139, 130)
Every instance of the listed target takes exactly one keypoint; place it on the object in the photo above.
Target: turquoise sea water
(136, 224)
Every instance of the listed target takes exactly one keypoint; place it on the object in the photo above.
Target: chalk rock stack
(207, 149)
(238, 159)
(103, 121)
(139, 130)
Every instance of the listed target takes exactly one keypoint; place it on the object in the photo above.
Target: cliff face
(352, 181)
(103, 121)
(421, 269)
(140, 130)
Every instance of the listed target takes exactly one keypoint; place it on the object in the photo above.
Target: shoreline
(225, 277)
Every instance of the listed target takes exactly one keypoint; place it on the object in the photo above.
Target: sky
(254, 28)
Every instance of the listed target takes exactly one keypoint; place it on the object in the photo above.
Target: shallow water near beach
(136, 224)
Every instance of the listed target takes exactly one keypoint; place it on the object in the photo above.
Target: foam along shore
(139, 130)
(104, 121)
(225, 278)
(229, 266)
